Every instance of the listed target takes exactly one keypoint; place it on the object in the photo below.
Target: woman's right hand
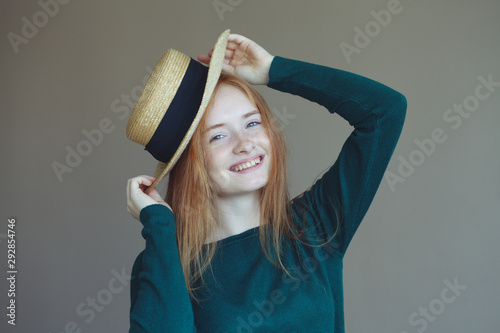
(137, 199)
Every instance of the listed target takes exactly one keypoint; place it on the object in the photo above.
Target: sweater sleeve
(339, 200)
(159, 298)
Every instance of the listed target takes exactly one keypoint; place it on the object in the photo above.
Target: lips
(247, 163)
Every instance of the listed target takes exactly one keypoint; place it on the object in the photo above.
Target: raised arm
(377, 113)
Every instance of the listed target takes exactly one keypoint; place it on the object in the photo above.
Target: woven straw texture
(157, 95)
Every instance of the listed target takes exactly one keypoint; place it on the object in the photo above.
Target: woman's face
(239, 151)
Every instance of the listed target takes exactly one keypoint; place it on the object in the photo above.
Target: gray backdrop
(425, 257)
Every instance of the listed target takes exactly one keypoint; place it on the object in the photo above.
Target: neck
(238, 213)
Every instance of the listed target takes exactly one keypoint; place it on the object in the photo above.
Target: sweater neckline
(238, 237)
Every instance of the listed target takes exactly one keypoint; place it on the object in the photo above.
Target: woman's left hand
(245, 59)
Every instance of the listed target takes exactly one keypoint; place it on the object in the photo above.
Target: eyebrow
(246, 115)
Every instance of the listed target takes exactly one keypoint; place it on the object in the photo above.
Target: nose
(243, 144)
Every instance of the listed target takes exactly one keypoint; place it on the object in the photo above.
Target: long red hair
(192, 198)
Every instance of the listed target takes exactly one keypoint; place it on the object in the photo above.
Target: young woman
(228, 251)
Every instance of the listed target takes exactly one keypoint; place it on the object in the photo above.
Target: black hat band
(180, 114)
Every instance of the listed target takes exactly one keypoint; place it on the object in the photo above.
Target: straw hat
(172, 103)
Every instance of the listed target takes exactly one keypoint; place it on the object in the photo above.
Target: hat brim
(214, 71)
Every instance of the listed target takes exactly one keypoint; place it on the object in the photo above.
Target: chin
(243, 188)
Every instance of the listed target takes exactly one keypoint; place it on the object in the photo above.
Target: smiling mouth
(247, 165)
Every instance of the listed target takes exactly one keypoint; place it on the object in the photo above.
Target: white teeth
(247, 165)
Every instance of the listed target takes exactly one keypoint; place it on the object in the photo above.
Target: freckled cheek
(215, 160)
(263, 142)
(209, 162)
(262, 137)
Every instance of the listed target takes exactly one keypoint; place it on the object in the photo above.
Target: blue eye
(253, 122)
(217, 137)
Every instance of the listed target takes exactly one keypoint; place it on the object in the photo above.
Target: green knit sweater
(249, 293)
